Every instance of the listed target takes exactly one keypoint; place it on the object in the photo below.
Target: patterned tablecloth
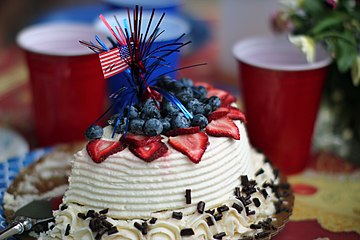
(327, 205)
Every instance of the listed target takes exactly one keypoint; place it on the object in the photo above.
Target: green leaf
(328, 22)
(314, 8)
(345, 54)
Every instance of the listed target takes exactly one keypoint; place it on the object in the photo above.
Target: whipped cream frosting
(133, 188)
(136, 191)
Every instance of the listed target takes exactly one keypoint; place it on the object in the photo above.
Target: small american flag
(114, 61)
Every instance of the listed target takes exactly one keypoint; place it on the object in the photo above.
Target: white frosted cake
(217, 188)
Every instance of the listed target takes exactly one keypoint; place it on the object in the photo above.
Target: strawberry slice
(218, 113)
(182, 131)
(228, 100)
(99, 149)
(217, 92)
(236, 114)
(139, 140)
(223, 127)
(192, 145)
(149, 152)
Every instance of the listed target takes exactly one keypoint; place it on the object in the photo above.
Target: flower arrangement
(333, 23)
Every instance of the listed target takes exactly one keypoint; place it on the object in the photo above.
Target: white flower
(306, 45)
(355, 71)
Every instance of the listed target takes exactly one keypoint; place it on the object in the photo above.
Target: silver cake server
(33, 213)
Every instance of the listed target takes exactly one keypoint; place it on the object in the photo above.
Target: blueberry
(207, 109)
(214, 102)
(169, 109)
(150, 111)
(187, 82)
(166, 125)
(164, 81)
(175, 86)
(184, 98)
(113, 119)
(200, 92)
(180, 121)
(136, 126)
(199, 120)
(94, 132)
(185, 90)
(133, 112)
(192, 105)
(199, 109)
(153, 127)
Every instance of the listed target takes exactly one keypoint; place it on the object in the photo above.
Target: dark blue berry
(180, 121)
(199, 109)
(164, 81)
(169, 109)
(214, 102)
(113, 119)
(166, 125)
(185, 90)
(187, 82)
(153, 127)
(199, 120)
(184, 98)
(207, 109)
(150, 111)
(175, 86)
(192, 105)
(136, 126)
(200, 92)
(133, 112)
(94, 132)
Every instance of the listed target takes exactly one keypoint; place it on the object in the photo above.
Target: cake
(172, 162)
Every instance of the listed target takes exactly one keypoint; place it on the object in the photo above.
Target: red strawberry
(192, 145)
(139, 140)
(182, 131)
(228, 100)
(99, 149)
(223, 127)
(149, 152)
(218, 92)
(218, 113)
(236, 114)
(208, 86)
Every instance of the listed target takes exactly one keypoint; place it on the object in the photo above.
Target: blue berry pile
(154, 117)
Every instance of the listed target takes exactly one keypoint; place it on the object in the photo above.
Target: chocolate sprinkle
(210, 211)
(188, 196)
(262, 235)
(82, 216)
(237, 192)
(255, 226)
(259, 172)
(177, 215)
(222, 209)
(201, 207)
(247, 238)
(138, 226)
(63, 207)
(112, 230)
(219, 235)
(67, 231)
(104, 211)
(95, 224)
(264, 193)
(209, 221)
(106, 223)
(218, 216)
(248, 212)
(187, 232)
(237, 207)
(244, 180)
(144, 229)
(257, 202)
(153, 220)
(90, 213)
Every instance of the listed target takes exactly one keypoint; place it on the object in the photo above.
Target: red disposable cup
(281, 94)
(68, 88)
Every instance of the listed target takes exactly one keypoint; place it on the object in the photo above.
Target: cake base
(59, 177)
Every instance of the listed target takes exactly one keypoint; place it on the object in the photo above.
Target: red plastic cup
(281, 94)
(68, 87)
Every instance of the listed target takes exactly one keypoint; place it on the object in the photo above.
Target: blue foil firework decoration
(131, 52)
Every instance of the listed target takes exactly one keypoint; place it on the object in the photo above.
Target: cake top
(147, 107)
